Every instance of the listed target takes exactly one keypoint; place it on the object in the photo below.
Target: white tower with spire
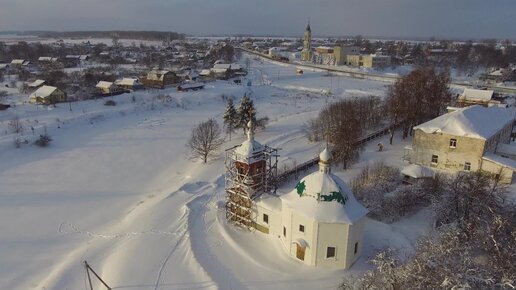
(306, 53)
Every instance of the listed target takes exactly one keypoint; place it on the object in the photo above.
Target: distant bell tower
(306, 54)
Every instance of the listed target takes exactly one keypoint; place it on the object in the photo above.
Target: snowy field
(116, 188)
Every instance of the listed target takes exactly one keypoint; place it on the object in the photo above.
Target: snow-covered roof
(325, 198)
(47, 58)
(127, 82)
(157, 74)
(474, 122)
(477, 95)
(4, 65)
(506, 162)
(498, 72)
(506, 149)
(17, 61)
(236, 66)
(224, 66)
(250, 149)
(36, 83)
(417, 171)
(43, 92)
(104, 85)
(205, 72)
(270, 202)
(219, 70)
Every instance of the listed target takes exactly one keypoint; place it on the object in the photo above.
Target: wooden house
(108, 88)
(129, 83)
(476, 97)
(19, 62)
(47, 95)
(157, 78)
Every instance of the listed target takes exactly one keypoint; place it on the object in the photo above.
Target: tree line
(122, 34)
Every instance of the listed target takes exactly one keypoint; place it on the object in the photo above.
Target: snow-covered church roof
(250, 148)
(474, 122)
(325, 197)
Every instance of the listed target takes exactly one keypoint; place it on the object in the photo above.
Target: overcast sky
(388, 18)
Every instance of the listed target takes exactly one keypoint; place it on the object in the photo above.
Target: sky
(385, 18)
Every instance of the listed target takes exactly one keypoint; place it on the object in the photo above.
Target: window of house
(302, 228)
(284, 231)
(453, 143)
(330, 252)
(266, 218)
(435, 159)
(467, 166)
(356, 247)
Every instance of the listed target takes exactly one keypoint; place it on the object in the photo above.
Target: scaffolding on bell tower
(247, 177)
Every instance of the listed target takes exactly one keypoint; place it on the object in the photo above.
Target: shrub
(110, 103)
(43, 140)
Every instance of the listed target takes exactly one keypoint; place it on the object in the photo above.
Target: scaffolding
(246, 178)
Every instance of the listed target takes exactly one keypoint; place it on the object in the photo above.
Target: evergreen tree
(246, 112)
(230, 117)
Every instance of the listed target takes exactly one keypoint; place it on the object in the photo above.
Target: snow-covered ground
(116, 188)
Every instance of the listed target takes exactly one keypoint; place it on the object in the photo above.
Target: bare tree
(205, 140)
(472, 247)
(418, 97)
(15, 125)
(342, 123)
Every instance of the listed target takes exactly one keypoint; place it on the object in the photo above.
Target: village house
(221, 70)
(19, 62)
(47, 59)
(226, 70)
(466, 140)
(157, 78)
(36, 84)
(500, 75)
(47, 95)
(108, 88)
(129, 83)
(476, 97)
(319, 222)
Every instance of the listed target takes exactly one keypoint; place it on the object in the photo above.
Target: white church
(319, 222)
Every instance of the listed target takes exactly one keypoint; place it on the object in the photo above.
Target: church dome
(308, 27)
(325, 197)
(325, 156)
